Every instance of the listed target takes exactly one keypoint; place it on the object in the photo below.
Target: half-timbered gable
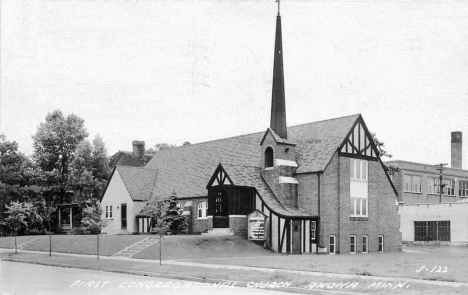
(359, 143)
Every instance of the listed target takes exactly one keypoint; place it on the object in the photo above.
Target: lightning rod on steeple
(278, 1)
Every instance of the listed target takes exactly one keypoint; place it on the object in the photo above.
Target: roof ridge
(332, 119)
(135, 167)
(249, 134)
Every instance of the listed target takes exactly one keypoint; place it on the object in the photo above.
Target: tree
(17, 218)
(89, 170)
(391, 169)
(173, 215)
(17, 175)
(163, 145)
(92, 220)
(58, 136)
(54, 144)
(156, 210)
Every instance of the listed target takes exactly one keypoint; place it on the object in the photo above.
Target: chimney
(138, 149)
(456, 159)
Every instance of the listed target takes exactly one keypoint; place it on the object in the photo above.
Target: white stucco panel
(116, 195)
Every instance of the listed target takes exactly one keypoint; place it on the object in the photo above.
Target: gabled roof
(124, 158)
(187, 169)
(138, 181)
(276, 137)
(251, 176)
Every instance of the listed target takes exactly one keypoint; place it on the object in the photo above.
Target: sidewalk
(181, 269)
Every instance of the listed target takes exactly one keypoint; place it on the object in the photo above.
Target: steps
(29, 243)
(218, 232)
(135, 248)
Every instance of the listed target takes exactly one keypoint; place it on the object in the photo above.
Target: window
(431, 185)
(365, 244)
(432, 231)
(437, 186)
(359, 188)
(450, 187)
(463, 188)
(202, 208)
(331, 244)
(269, 157)
(313, 228)
(381, 243)
(412, 184)
(352, 244)
(108, 211)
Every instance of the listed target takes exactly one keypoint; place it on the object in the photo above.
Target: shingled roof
(138, 181)
(187, 169)
(124, 158)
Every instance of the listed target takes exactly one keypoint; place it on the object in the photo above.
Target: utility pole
(441, 168)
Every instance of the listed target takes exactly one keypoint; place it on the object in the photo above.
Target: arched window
(202, 208)
(269, 157)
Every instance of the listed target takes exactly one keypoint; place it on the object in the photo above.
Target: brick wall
(197, 225)
(238, 225)
(383, 218)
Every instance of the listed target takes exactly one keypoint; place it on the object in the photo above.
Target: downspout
(318, 223)
(339, 206)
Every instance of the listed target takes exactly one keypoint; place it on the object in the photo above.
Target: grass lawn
(199, 247)
(79, 244)
(9, 242)
(452, 260)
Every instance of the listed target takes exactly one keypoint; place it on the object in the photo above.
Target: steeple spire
(278, 107)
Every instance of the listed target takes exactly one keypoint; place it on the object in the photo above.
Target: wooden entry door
(296, 237)
(123, 215)
(221, 214)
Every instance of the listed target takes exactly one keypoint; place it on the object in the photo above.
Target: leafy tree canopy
(390, 168)
(56, 140)
(162, 146)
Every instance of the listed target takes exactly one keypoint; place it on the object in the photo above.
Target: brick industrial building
(321, 187)
(431, 212)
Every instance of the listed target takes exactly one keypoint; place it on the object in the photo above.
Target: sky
(177, 71)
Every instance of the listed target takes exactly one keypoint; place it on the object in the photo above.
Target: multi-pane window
(313, 228)
(431, 185)
(359, 188)
(437, 186)
(202, 208)
(450, 187)
(352, 245)
(381, 243)
(108, 211)
(219, 203)
(331, 244)
(365, 244)
(432, 231)
(463, 188)
(412, 183)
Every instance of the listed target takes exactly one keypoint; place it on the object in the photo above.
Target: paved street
(22, 278)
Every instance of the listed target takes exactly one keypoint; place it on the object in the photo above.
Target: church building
(319, 187)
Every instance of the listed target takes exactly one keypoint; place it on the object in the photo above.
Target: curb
(159, 275)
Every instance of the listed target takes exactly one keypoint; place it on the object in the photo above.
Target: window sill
(359, 218)
(109, 218)
(202, 218)
(418, 193)
(269, 168)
